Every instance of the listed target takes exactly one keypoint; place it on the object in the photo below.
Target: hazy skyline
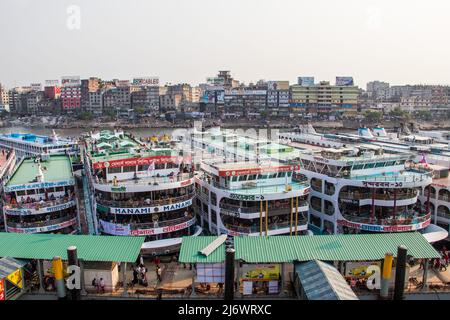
(401, 42)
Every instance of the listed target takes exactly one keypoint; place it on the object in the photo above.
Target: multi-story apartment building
(146, 97)
(18, 100)
(278, 97)
(324, 98)
(245, 101)
(118, 97)
(378, 90)
(71, 94)
(415, 103)
(4, 98)
(90, 94)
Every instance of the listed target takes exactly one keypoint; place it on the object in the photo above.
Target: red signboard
(241, 172)
(140, 161)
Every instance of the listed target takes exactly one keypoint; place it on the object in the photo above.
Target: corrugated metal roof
(191, 247)
(361, 247)
(321, 281)
(89, 248)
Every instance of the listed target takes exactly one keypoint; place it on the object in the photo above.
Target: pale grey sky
(401, 41)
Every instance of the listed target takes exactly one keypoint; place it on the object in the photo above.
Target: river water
(138, 132)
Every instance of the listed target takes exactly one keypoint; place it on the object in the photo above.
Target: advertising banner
(70, 81)
(305, 81)
(45, 228)
(125, 230)
(146, 81)
(386, 228)
(140, 161)
(147, 210)
(261, 272)
(227, 173)
(39, 185)
(16, 278)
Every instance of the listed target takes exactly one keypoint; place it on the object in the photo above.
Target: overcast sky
(401, 41)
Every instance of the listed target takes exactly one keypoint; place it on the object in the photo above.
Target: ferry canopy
(89, 248)
(279, 249)
(321, 281)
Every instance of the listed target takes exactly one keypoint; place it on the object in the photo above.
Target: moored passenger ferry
(250, 198)
(141, 189)
(39, 197)
(361, 189)
(30, 144)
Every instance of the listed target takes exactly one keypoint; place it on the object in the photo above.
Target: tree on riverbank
(373, 116)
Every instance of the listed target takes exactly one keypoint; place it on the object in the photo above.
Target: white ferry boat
(360, 189)
(29, 144)
(39, 197)
(141, 189)
(248, 186)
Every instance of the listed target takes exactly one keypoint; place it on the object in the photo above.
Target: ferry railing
(400, 219)
(254, 209)
(442, 198)
(273, 226)
(37, 205)
(40, 223)
(149, 180)
(144, 203)
(368, 195)
(416, 177)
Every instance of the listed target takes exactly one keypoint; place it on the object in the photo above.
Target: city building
(71, 94)
(323, 98)
(4, 98)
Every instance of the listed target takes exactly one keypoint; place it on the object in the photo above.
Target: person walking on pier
(158, 273)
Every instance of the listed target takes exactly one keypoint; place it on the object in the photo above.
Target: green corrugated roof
(191, 246)
(90, 248)
(57, 168)
(361, 247)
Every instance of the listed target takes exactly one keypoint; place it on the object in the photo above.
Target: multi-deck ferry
(248, 186)
(29, 144)
(141, 189)
(39, 197)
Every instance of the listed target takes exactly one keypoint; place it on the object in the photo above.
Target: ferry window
(115, 170)
(213, 199)
(358, 166)
(242, 178)
(252, 177)
(129, 169)
(171, 166)
(263, 176)
(369, 165)
(32, 191)
(59, 189)
(143, 167)
(235, 178)
(281, 174)
(380, 164)
(41, 190)
(390, 163)
(289, 174)
(273, 175)
(205, 190)
(160, 166)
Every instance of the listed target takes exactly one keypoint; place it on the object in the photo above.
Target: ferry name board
(381, 228)
(125, 230)
(140, 161)
(45, 228)
(147, 210)
(228, 173)
(39, 185)
(382, 184)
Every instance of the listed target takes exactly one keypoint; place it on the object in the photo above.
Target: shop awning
(344, 247)
(89, 248)
(322, 281)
